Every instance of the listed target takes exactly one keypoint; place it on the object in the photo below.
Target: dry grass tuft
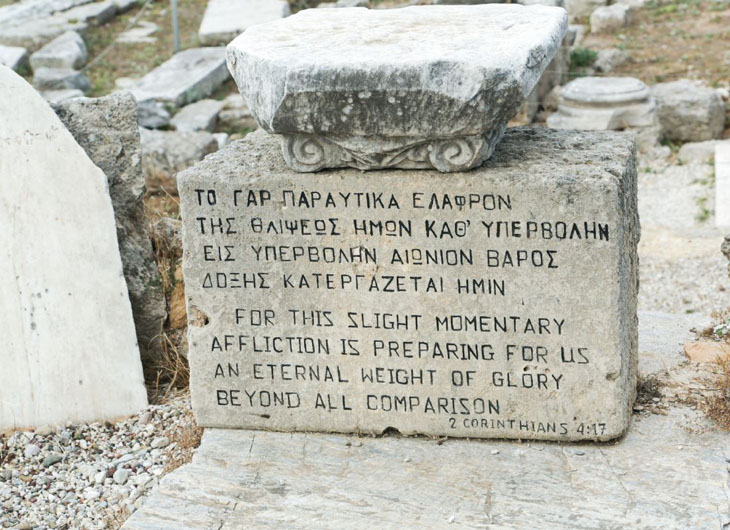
(717, 407)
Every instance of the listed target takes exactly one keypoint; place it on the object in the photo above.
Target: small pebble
(159, 443)
(121, 476)
(52, 458)
(495, 451)
(31, 450)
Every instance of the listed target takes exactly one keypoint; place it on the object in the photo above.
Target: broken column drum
(494, 302)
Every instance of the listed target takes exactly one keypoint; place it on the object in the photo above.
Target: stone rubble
(59, 96)
(65, 51)
(199, 116)
(166, 153)
(13, 56)
(186, 77)
(609, 59)
(689, 110)
(60, 79)
(90, 476)
(611, 18)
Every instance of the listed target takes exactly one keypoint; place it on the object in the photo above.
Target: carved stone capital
(308, 153)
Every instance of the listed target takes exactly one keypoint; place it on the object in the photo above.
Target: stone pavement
(669, 472)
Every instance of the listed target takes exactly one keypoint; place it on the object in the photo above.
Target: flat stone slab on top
(418, 87)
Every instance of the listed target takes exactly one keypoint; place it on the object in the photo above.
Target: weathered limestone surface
(669, 472)
(370, 89)
(68, 349)
(224, 20)
(186, 77)
(351, 273)
(65, 51)
(722, 184)
(689, 110)
(107, 130)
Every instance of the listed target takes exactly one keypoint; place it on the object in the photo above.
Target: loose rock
(689, 111)
(610, 18)
(65, 51)
(165, 153)
(59, 79)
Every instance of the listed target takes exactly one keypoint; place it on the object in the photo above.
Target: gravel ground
(681, 267)
(91, 476)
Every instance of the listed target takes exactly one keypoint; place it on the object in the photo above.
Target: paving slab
(224, 20)
(186, 77)
(669, 472)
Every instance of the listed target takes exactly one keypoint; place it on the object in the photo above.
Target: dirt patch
(669, 41)
(136, 60)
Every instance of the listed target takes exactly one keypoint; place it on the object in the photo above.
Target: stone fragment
(13, 56)
(699, 152)
(224, 20)
(60, 79)
(610, 18)
(609, 59)
(722, 184)
(725, 249)
(608, 103)
(593, 172)
(121, 476)
(166, 153)
(65, 51)
(107, 130)
(123, 6)
(28, 10)
(68, 347)
(222, 139)
(94, 14)
(689, 111)
(199, 116)
(52, 458)
(186, 77)
(369, 88)
(59, 96)
(31, 450)
(35, 33)
(140, 34)
(152, 114)
(160, 442)
(707, 351)
(580, 9)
